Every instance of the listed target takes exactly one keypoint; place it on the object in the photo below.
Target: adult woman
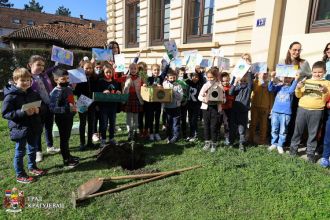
(293, 58)
(326, 58)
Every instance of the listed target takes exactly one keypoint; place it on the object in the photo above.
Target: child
(25, 126)
(194, 105)
(42, 85)
(63, 106)
(153, 109)
(261, 104)
(172, 109)
(313, 94)
(281, 112)
(135, 103)
(182, 78)
(211, 108)
(98, 70)
(242, 89)
(225, 114)
(86, 89)
(108, 110)
(143, 127)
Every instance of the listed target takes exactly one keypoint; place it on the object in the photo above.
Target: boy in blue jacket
(25, 126)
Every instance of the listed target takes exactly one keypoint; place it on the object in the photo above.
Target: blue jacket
(283, 99)
(20, 124)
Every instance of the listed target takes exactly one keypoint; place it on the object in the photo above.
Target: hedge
(11, 59)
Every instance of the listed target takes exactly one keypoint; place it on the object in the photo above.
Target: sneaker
(25, 179)
(39, 156)
(151, 138)
(163, 128)
(71, 163)
(112, 141)
(280, 150)
(227, 142)
(192, 139)
(118, 128)
(95, 137)
(103, 143)
(207, 145)
(173, 140)
(241, 147)
(38, 172)
(82, 148)
(157, 137)
(324, 162)
(272, 147)
(53, 150)
(74, 158)
(213, 147)
(168, 140)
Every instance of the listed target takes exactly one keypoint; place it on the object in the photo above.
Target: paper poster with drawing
(102, 54)
(205, 63)
(120, 62)
(259, 67)
(240, 68)
(283, 70)
(77, 76)
(83, 103)
(224, 63)
(191, 59)
(27, 106)
(61, 55)
(176, 63)
(171, 49)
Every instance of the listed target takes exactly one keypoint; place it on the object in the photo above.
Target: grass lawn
(230, 185)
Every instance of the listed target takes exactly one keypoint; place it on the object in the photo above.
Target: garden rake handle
(166, 174)
(146, 175)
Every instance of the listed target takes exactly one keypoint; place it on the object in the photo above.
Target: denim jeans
(280, 123)
(173, 122)
(28, 144)
(108, 114)
(326, 144)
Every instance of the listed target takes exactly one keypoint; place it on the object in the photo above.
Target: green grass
(230, 185)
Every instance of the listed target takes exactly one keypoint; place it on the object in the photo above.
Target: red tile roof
(7, 15)
(68, 35)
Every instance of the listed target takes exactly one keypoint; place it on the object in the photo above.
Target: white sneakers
(151, 137)
(279, 149)
(96, 137)
(53, 150)
(272, 147)
(39, 156)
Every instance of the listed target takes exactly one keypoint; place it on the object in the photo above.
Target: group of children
(211, 95)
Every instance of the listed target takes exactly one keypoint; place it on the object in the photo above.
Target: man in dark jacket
(25, 124)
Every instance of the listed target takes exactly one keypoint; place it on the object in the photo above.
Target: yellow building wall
(232, 29)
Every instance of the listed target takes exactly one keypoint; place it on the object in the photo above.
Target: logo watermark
(15, 201)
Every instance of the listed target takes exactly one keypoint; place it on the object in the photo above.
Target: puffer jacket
(20, 124)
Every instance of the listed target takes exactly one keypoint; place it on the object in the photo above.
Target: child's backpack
(185, 88)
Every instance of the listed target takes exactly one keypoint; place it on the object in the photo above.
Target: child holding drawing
(281, 112)
(241, 89)
(25, 125)
(313, 94)
(41, 84)
(86, 88)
